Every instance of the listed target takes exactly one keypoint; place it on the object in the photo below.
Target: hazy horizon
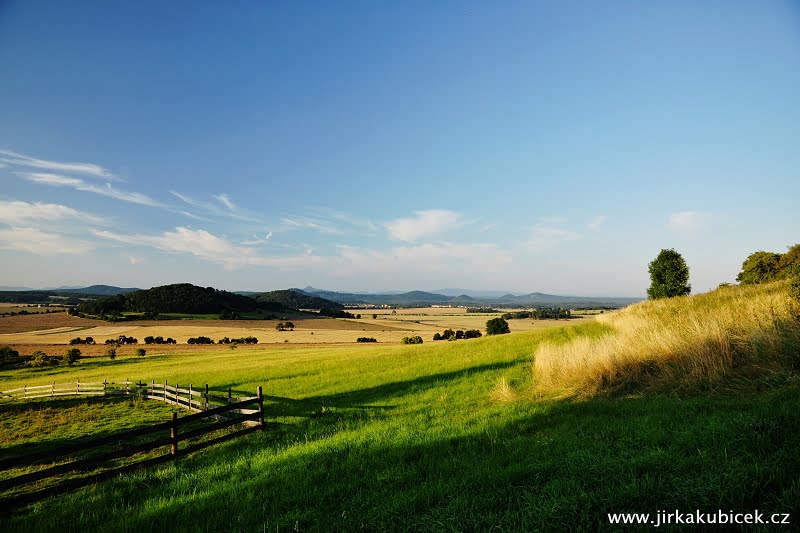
(362, 147)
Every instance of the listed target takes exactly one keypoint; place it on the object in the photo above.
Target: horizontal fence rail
(245, 412)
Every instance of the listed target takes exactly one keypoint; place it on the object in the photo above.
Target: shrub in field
(141, 352)
(111, 353)
(7, 353)
(78, 340)
(366, 339)
(40, 359)
(9, 357)
(411, 340)
(126, 340)
(472, 334)
(497, 326)
(72, 355)
(437, 336)
(200, 340)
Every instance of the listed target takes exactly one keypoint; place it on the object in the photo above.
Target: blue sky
(525, 146)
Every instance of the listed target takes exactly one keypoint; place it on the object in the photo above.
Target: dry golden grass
(503, 392)
(679, 341)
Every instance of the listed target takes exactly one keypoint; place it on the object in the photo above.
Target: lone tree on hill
(497, 326)
(669, 276)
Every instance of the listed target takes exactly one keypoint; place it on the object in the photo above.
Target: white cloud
(18, 212)
(596, 222)
(209, 247)
(58, 180)
(86, 169)
(688, 222)
(38, 242)
(425, 258)
(136, 260)
(225, 200)
(545, 237)
(424, 224)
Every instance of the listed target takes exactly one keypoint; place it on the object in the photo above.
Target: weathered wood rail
(87, 456)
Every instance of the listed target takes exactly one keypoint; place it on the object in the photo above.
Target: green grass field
(410, 438)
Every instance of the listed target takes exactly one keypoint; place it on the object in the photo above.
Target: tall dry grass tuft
(503, 392)
(679, 341)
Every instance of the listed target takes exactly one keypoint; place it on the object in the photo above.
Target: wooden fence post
(174, 435)
(190, 396)
(53, 389)
(177, 394)
(165, 391)
(260, 408)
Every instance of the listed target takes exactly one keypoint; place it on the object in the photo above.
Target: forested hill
(178, 298)
(296, 300)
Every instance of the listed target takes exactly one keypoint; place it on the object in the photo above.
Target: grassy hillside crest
(739, 332)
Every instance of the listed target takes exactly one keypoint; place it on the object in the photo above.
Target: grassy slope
(408, 438)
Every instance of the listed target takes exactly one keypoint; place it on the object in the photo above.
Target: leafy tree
(759, 267)
(437, 336)
(472, 334)
(374, 316)
(669, 276)
(141, 352)
(497, 326)
(111, 353)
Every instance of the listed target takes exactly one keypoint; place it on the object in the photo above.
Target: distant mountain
(475, 294)
(421, 298)
(297, 299)
(97, 290)
(5, 288)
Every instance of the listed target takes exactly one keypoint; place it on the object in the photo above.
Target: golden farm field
(26, 331)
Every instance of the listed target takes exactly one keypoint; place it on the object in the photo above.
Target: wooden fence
(245, 412)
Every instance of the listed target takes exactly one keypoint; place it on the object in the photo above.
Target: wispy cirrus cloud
(36, 241)
(544, 237)
(688, 223)
(228, 208)
(58, 180)
(256, 240)
(596, 222)
(310, 223)
(209, 247)
(19, 212)
(225, 200)
(17, 159)
(424, 224)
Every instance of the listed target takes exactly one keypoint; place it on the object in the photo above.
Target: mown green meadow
(426, 438)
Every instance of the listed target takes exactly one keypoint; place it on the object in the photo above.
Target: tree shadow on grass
(365, 398)
(560, 468)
